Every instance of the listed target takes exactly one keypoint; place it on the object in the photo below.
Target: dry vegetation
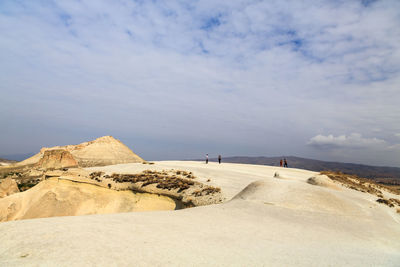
(12, 174)
(206, 191)
(354, 182)
(22, 177)
(385, 201)
(163, 180)
(166, 179)
(366, 186)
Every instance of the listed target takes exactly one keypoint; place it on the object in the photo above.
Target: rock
(35, 173)
(57, 197)
(8, 187)
(322, 180)
(57, 159)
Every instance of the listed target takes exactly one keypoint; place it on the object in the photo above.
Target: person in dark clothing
(219, 159)
(285, 163)
(206, 158)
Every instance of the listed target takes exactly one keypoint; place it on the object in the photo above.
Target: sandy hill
(105, 150)
(271, 216)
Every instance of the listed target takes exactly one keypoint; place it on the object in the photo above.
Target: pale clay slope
(269, 222)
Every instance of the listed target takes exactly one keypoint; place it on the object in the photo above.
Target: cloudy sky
(178, 79)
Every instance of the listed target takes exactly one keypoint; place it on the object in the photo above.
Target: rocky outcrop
(57, 197)
(103, 151)
(176, 184)
(57, 159)
(8, 187)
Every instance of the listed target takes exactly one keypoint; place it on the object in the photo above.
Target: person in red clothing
(280, 162)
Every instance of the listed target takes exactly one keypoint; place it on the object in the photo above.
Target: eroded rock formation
(8, 187)
(57, 197)
(103, 151)
(57, 159)
(77, 191)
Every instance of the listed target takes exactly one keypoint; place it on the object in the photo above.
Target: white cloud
(353, 140)
(395, 147)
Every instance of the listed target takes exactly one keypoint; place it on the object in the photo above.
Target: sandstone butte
(103, 151)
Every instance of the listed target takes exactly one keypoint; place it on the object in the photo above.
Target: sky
(178, 79)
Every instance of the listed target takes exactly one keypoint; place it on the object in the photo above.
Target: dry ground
(272, 217)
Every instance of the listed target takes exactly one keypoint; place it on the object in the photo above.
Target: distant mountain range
(6, 161)
(17, 157)
(379, 174)
(387, 175)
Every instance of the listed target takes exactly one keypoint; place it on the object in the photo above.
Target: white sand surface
(266, 221)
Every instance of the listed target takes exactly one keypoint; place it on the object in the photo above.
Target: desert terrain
(264, 216)
(246, 133)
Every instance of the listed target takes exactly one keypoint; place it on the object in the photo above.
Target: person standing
(280, 162)
(285, 164)
(206, 158)
(219, 159)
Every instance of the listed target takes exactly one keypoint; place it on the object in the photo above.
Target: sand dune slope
(301, 196)
(267, 221)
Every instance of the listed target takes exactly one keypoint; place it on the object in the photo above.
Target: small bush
(385, 201)
(25, 186)
(95, 175)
